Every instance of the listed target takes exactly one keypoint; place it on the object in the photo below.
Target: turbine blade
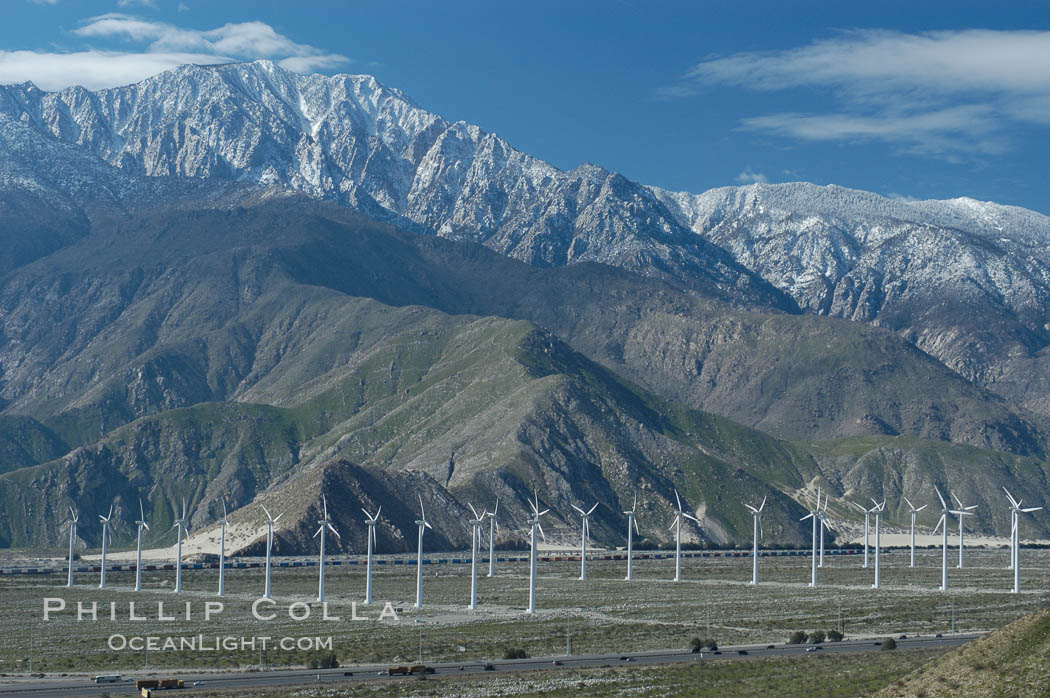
(427, 524)
(910, 505)
(278, 518)
(922, 507)
(678, 499)
(496, 510)
(267, 512)
(542, 512)
(690, 516)
(636, 525)
(423, 514)
(318, 532)
(944, 505)
(635, 505)
(1011, 498)
(332, 529)
(935, 528)
(473, 510)
(673, 523)
(145, 525)
(224, 515)
(324, 503)
(807, 516)
(591, 510)
(751, 508)
(542, 535)
(1031, 509)
(578, 509)
(956, 498)
(762, 505)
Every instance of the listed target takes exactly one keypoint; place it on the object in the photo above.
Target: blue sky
(925, 100)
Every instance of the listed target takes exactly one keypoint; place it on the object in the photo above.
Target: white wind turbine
(631, 521)
(1015, 547)
(822, 515)
(867, 528)
(180, 524)
(963, 511)
(677, 525)
(222, 549)
(371, 537)
(757, 515)
(877, 510)
(325, 523)
(534, 522)
(475, 545)
(105, 529)
(943, 525)
(914, 511)
(73, 518)
(141, 523)
(585, 530)
(422, 523)
(270, 522)
(814, 514)
(493, 530)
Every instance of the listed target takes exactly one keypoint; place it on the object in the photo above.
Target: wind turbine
(631, 521)
(73, 518)
(493, 529)
(1015, 547)
(822, 515)
(180, 524)
(534, 522)
(585, 529)
(475, 543)
(270, 521)
(757, 515)
(325, 523)
(914, 511)
(943, 525)
(814, 514)
(105, 528)
(877, 510)
(677, 525)
(371, 521)
(141, 523)
(867, 527)
(222, 550)
(422, 523)
(963, 511)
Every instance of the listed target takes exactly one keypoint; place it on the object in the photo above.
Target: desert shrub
(889, 644)
(835, 636)
(515, 653)
(797, 637)
(323, 660)
(817, 637)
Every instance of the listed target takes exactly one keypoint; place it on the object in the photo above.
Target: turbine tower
(270, 522)
(371, 537)
(475, 544)
(756, 514)
(534, 522)
(493, 530)
(180, 524)
(141, 523)
(105, 529)
(325, 523)
(1015, 547)
(631, 521)
(914, 511)
(423, 524)
(877, 510)
(822, 515)
(222, 549)
(867, 528)
(73, 518)
(813, 514)
(963, 511)
(585, 530)
(677, 525)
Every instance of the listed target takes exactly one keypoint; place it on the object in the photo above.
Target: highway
(58, 687)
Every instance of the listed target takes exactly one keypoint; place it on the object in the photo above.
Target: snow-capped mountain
(967, 281)
(350, 139)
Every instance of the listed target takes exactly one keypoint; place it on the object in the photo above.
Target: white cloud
(160, 47)
(152, 4)
(749, 177)
(940, 92)
(92, 69)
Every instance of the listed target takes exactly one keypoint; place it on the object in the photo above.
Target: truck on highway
(406, 670)
(159, 684)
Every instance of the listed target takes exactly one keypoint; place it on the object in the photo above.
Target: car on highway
(814, 648)
(741, 651)
(557, 662)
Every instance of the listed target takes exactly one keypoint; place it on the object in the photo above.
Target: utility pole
(708, 621)
(840, 619)
(568, 639)
(953, 615)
